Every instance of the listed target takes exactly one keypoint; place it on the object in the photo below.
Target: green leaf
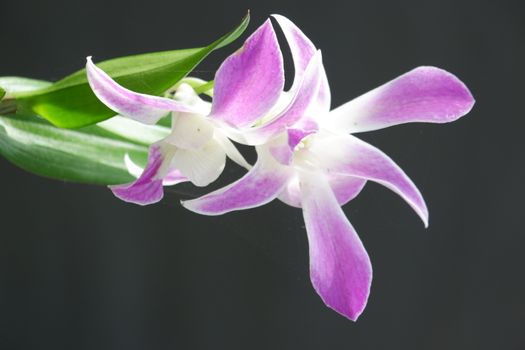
(2, 93)
(93, 154)
(83, 155)
(70, 103)
(17, 85)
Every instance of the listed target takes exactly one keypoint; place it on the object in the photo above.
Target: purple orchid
(248, 86)
(314, 163)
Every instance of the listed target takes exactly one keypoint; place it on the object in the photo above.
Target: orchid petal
(340, 268)
(324, 98)
(304, 98)
(425, 94)
(291, 193)
(347, 155)
(190, 131)
(280, 149)
(147, 189)
(231, 151)
(201, 166)
(259, 186)
(249, 82)
(345, 189)
(143, 108)
(303, 50)
(173, 177)
(301, 46)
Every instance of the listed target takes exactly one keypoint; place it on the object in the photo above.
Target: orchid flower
(247, 87)
(316, 164)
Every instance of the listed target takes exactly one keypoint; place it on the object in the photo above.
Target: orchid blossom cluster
(307, 155)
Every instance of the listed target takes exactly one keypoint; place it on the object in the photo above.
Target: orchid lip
(298, 139)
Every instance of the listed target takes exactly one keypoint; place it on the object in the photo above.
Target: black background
(80, 269)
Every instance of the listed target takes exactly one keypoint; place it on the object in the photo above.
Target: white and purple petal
(280, 149)
(425, 94)
(301, 47)
(147, 189)
(201, 165)
(259, 186)
(190, 131)
(304, 98)
(340, 268)
(345, 189)
(173, 177)
(231, 151)
(141, 107)
(348, 155)
(303, 50)
(250, 81)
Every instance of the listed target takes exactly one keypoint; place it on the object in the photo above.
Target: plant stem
(205, 87)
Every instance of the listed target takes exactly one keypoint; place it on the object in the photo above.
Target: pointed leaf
(94, 154)
(17, 85)
(70, 103)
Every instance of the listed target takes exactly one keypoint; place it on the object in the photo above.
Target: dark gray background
(80, 269)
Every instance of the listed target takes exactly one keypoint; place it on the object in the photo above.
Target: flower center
(302, 144)
(301, 152)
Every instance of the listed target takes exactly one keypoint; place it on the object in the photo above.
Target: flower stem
(204, 87)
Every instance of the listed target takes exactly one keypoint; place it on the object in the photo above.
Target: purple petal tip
(450, 85)
(142, 194)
